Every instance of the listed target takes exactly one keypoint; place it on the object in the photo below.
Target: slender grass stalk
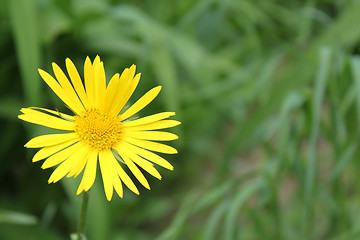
(27, 40)
(311, 171)
(82, 220)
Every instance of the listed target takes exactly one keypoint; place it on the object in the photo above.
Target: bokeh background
(268, 93)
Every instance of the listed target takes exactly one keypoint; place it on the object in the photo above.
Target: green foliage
(268, 93)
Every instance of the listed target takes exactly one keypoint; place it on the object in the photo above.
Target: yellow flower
(100, 130)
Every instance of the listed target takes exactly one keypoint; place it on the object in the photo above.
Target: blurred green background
(268, 93)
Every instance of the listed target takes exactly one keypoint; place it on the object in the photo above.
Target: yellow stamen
(101, 132)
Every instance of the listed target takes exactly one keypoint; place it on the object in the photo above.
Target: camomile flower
(101, 133)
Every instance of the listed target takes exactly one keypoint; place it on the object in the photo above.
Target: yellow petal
(152, 146)
(89, 82)
(40, 118)
(51, 139)
(56, 113)
(95, 65)
(68, 165)
(135, 170)
(48, 151)
(80, 161)
(152, 135)
(133, 84)
(100, 84)
(60, 156)
(120, 92)
(117, 184)
(149, 156)
(144, 164)
(154, 125)
(106, 174)
(81, 187)
(59, 172)
(123, 175)
(76, 81)
(55, 86)
(90, 170)
(114, 175)
(149, 119)
(126, 87)
(68, 89)
(111, 92)
(141, 103)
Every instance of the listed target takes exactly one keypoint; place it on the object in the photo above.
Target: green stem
(82, 220)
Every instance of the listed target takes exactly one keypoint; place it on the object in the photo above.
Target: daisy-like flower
(100, 131)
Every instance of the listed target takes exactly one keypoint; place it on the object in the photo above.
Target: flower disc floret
(100, 132)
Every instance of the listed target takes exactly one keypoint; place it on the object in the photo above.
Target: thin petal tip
(136, 191)
(170, 167)
(68, 61)
(35, 160)
(40, 70)
(173, 151)
(88, 61)
(44, 166)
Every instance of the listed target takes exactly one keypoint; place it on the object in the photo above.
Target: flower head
(100, 131)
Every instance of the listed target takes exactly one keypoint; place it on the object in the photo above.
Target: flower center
(100, 132)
